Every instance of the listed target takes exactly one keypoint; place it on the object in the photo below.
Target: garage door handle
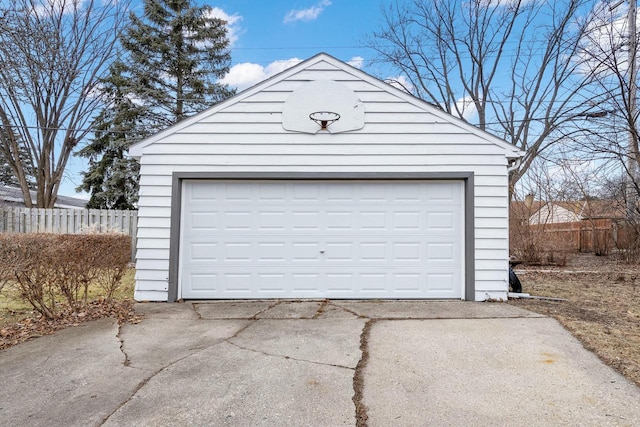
(321, 252)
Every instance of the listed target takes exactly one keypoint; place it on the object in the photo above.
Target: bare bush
(50, 268)
(537, 245)
(111, 253)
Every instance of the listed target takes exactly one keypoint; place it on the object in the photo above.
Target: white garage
(323, 182)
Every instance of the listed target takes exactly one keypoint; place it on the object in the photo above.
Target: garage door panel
(368, 194)
(373, 251)
(237, 220)
(201, 191)
(440, 249)
(206, 251)
(306, 283)
(272, 282)
(443, 193)
(237, 252)
(305, 252)
(338, 220)
(270, 220)
(272, 192)
(334, 283)
(308, 192)
(321, 239)
(441, 283)
(325, 220)
(206, 282)
(237, 192)
(407, 220)
(404, 252)
(442, 222)
(374, 283)
(203, 221)
(372, 221)
(304, 221)
(439, 252)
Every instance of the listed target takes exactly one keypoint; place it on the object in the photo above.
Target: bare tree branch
(53, 53)
(515, 61)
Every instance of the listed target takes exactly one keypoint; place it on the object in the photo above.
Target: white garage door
(321, 239)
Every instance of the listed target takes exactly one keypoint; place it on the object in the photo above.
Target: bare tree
(509, 66)
(53, 53)
(609, 52)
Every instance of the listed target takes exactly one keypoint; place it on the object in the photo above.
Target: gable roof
(511, 151)
(12, 196)
(581, 209)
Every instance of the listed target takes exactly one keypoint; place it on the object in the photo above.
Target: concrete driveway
(314, 363)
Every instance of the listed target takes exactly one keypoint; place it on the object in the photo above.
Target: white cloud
(233, 23)
(247, 74)
(280, 65)
(356, 61)
(44, 8)
(466, 107)
(308, 14)
(400, 82)
(605, 40)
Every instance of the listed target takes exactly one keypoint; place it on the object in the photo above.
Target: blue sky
(267, 37)
(270, 36)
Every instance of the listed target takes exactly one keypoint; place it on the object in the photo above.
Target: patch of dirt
(37, 326)
(603, 307)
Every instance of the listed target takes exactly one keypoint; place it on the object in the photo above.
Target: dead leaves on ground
(33, 327)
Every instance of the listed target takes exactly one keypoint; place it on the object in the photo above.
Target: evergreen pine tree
(112, 177)
(7, 176)
(174, 56)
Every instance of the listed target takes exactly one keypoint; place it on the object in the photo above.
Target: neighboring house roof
(598, 209)
(522, 210)
(12, 196)
(556, 212)
(511, 151)
(541, 212)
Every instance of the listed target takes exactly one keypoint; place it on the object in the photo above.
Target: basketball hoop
(324, 118)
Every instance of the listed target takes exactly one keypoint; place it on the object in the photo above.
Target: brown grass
(602, 311)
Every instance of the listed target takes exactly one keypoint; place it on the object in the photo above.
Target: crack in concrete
(358, 376)
(321, 309)
(195, 310)
(264, 353)
(358, 315)
(146, 380)
(124, 353)
(255, 316)
(140, 385)
(241, 330)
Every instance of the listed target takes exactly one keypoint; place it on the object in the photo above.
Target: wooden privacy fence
(69, 221)
(585, 236)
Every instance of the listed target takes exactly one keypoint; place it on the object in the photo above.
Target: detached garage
(323, 182)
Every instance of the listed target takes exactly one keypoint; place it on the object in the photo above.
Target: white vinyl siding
(246, 135)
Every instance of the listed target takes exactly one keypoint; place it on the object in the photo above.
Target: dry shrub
(48, 268)
(627, 240)
(111, 254)
(534, 245)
